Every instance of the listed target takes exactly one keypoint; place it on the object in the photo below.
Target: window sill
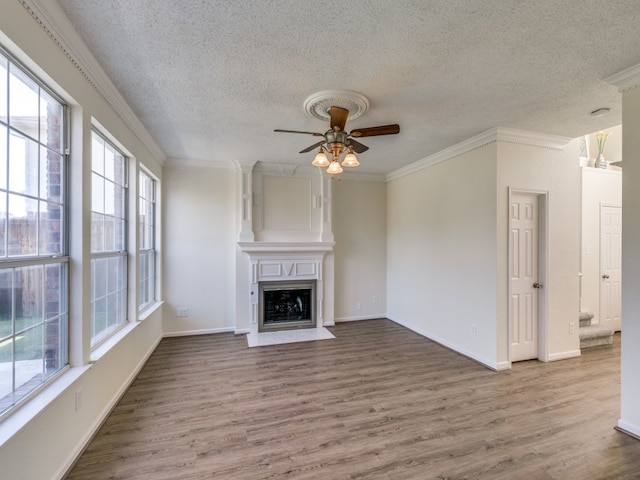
(98, 352)
(148, 311)
(21, 415)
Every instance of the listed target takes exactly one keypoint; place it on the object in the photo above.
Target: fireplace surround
(285, 237)
(274, 265)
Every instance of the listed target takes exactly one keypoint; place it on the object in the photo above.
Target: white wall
(441, 252)
(199, 249)
(557, 172)
(45, 444)
(630, 380)
(599, 187)
(359, 229)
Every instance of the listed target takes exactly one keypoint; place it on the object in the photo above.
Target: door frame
(543, 268)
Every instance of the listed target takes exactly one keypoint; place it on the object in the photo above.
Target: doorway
(527, 274)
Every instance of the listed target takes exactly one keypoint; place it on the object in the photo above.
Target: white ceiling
(211, 79)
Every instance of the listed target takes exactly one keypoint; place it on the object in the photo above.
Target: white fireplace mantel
(279, 261)
(253, 248)
(285, 232)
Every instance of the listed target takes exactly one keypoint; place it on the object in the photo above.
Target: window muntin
(33, 224)
(146, 239)
(108, 239)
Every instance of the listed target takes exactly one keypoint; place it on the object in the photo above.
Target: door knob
(605, 276)
(537, 285)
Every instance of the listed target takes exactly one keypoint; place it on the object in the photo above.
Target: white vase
(601, 162)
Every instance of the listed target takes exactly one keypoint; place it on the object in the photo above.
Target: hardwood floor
(377, 402)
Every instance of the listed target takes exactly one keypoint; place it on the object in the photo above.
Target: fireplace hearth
(286, 305)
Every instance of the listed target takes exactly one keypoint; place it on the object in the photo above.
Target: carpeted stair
(593, 335)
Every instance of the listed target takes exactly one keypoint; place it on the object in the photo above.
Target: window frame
(122, 254)
(147, 283)
(54, 291)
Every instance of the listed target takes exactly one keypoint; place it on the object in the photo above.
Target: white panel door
(523, 276)
(610, 266)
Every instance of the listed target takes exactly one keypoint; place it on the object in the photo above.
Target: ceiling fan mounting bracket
(319, 104)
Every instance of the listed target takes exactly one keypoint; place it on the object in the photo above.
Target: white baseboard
(500, 366)
(629, 429)
(490, 364)
(554, 357)
(357, 319)
(100, 419)
(204, 331)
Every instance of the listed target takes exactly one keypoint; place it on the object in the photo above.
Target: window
(146, 239)
(108, 239)
(33, 225)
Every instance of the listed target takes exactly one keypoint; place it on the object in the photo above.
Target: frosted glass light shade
(321, 160)
(334, 168)
(350, 160)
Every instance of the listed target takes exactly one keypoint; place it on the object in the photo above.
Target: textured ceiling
(211, 80)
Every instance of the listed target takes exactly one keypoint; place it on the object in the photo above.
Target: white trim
(150, 310)
(532, 139)
(55, 23)
(625, 80)
(501, 366)
(100, 419)
(628, 429)
(554, 357)
(490, 364)
(465, 146)
(497, 134)
(111, 341)
(543, 269)
(241, 331)
(360, 318)
(204, 331)
(286, 247)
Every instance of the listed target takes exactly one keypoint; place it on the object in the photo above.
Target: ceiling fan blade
(312, 147)
(357, 146)
(315, 134)
(339, 117)
(373, 131)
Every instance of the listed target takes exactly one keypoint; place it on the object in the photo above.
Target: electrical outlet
(474, 330)
(182, 312)
(572, 327)
(78, 399)
(375, 299)
(358, 306)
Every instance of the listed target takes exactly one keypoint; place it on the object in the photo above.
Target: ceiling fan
(337, 141)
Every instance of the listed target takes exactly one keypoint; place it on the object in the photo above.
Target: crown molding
(498, 134)
(58, 27)
(531, 139)
(465, 146)
(625, 80)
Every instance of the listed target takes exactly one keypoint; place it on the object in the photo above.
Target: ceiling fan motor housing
(336, 142)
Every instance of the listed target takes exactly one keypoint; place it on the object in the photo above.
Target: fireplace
(286, 305)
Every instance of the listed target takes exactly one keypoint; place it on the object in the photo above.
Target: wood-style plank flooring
(377, 402)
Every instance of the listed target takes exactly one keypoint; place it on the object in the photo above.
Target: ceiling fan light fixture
(321, 159)
(350, 159)
(334, 168)
(337, 140)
